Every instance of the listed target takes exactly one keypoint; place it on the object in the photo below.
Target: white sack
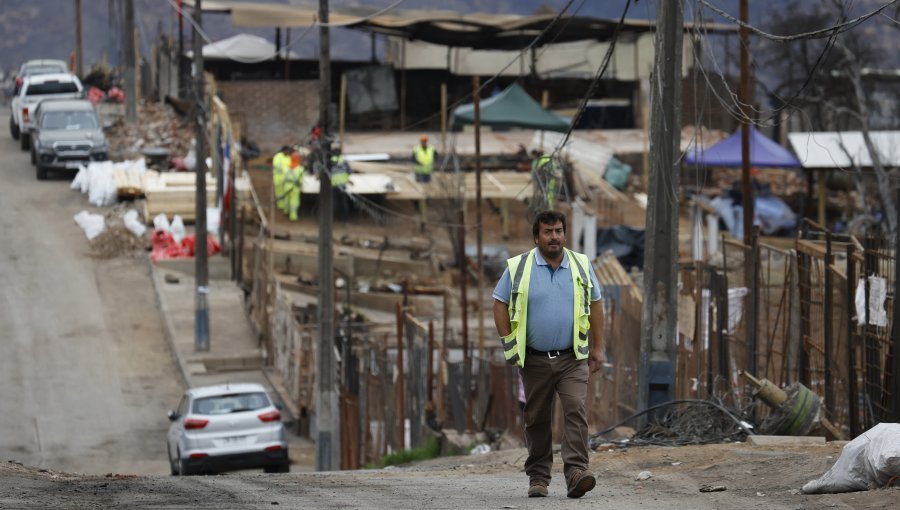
(133, 224)
(92, 224)
(161, 222)
(101, 184)
(870, 460)
(177, 229)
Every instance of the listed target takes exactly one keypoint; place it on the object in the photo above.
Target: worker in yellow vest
(423, 157)
(546, 177)
(293, 186)
(280, 163)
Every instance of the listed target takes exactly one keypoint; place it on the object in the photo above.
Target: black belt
(546, 354)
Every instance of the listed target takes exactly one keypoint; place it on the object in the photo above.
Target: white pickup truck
(34, 90)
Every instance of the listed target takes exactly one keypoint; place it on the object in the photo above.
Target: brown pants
(544, 379)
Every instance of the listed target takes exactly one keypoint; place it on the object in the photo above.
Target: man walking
(544, 305)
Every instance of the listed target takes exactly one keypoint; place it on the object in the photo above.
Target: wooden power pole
(328, 418)
(79, 42)
(657, 367)
(130, 78)
(201, 264)
(744, 92)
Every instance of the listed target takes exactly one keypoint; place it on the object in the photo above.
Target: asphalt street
(85, 374)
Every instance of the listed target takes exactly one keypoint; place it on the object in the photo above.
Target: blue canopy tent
(771, 212)
(764, 153)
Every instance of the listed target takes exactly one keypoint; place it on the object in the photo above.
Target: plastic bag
(177, 229)
(133, 224)
(161, 222)
(870, 460)
(92, 224)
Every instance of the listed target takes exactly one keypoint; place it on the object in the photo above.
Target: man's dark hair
(286, 149)
(547, 218)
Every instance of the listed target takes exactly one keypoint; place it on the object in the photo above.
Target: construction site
(370, 304)
(414, 265)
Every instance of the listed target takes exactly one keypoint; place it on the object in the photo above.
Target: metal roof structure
(836, 149)
(475, 30)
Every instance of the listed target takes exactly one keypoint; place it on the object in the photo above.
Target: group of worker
(287, 179)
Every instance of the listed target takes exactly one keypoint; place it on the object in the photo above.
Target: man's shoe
(537, 490)
(582, 482)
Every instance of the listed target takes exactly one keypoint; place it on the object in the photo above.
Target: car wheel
(24, 141)
(282, 467)
(13, 128)
(40, 171)
(173, 469)
(183, 469)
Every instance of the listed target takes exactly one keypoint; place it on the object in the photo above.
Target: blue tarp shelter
(764, 153)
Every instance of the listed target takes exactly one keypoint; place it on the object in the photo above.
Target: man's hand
(596, 360)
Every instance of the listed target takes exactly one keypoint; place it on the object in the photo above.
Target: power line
(815, 34)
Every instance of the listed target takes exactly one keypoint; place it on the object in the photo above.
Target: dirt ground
(753, 477)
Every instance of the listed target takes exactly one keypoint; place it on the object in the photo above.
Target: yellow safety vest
(293, 178)
(280, 162)
(520, 277)
(424, 159)
(340, 174)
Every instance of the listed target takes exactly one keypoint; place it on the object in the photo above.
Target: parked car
(34, 89)
(67, 134)
(226, 427)
(40, 66)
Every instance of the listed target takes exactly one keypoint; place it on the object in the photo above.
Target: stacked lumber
(174, 193)
(129, 181)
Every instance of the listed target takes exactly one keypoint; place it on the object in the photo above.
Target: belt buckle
(551, 356)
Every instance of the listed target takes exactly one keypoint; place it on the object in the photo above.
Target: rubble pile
(117, 240)
(160, 126)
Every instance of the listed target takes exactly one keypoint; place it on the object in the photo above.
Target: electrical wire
(815, 34)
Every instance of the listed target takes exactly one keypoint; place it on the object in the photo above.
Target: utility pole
(744, 93)
(479, 231)
(201, 306)
(328, 418)
(130, 81)
(79, 42)
(657, 368)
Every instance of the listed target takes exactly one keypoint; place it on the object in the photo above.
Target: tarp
(244, 48)
(512, 108)
(764, 153)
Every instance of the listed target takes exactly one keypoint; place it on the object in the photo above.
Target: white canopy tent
(245, 48)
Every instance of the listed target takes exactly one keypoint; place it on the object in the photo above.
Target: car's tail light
(270, 416)
(276, 448)
(199, 455)
(24, 114)
(194, 423)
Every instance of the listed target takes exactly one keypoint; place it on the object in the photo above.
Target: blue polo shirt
(550, 294)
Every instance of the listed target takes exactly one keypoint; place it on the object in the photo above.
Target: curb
(168, 328)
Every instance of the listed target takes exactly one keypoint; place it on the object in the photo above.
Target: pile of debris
(118, 238)
(160, 126)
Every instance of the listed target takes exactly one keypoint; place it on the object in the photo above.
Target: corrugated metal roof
(475, 30)
(836, 149)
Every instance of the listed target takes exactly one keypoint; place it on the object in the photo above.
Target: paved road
(85, 373)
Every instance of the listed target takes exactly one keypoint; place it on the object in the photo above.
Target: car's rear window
(232, 403)
(31, 70)
(51, 87)
(69, 120)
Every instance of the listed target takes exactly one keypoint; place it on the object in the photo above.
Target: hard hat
(295, 159)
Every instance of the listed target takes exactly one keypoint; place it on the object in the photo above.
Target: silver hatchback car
(225, 427)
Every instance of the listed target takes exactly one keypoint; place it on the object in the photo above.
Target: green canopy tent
(512, 108)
